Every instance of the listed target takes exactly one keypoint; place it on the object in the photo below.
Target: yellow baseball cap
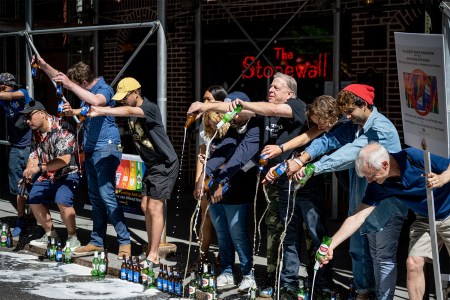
(125, 86)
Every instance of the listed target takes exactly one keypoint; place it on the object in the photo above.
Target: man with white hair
(401, 175)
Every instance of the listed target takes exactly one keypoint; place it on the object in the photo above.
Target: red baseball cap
(365, 92)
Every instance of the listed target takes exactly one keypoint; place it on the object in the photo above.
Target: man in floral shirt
(52, 170)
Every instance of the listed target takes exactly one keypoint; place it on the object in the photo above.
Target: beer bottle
(280, 169)
(229, 116)
(102, 266)
(351, 294)
(210, 291)
(123, 268)
(151, 276)
(95, 263)
(322, 251)
(253, 292)
(9, 239)
(171, 282)
(106, 260)
(193, 285)
(34, 70)
(130, 270)
(48, 253)
(165, 280)
(137, 271)
(199, 275)
(309, 172)
(60, 112)
(205, 277)
(179, 285)
(144, 273)
(68, 253)
(83, 113)
(59, 89)
(4, 236)
(214, 277)
(263, 161)
(190, 119)
(24, 187)
(58, 255)
(159, 284)
(53, 250)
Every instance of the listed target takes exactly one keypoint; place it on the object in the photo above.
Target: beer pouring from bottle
(229, 116)
(309, 172)
(263, 161)
(322, 251)
(190, 119)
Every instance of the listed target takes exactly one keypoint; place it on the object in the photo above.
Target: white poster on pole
(421, 77)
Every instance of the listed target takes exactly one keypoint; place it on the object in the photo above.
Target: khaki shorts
(420, 239)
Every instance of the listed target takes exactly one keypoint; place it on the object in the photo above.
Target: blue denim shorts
(63, 191)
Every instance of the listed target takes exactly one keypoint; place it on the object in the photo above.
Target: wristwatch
(281, 147)
(40, 167)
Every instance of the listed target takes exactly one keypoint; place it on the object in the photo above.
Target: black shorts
(159, 180)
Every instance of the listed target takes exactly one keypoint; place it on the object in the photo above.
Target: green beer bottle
(102, 266)
(322, 251)
(229, 116)
(95, 262)
(151, 276)
(4, 236)
(144, 274)
(309, 172)
(67, 254)
(193, 285)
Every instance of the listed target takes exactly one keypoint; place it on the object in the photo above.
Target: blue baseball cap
(237, 95)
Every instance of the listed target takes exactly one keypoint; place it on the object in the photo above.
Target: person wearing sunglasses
(51, 173)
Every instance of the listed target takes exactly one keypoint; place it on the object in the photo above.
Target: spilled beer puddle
(60, 281)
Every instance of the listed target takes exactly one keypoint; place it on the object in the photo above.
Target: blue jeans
(383, 248)
(18, 158)
(230, 223)
(362, 265)
(101, 166)
(306, 210)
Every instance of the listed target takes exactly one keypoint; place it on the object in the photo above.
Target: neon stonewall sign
(300, 66)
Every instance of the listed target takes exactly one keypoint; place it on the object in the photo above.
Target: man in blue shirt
(101, 144)
(372, 248)
(13, 100)
(400, 175)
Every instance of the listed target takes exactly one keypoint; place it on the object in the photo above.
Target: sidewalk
(178, 217)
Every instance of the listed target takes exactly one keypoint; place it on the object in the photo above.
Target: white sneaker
(247, 282)
(42, 242)
(225, 279)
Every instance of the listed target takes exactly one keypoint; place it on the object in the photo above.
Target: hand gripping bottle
(280, 169)
(229, 116)
(309, 172)
(322, 251)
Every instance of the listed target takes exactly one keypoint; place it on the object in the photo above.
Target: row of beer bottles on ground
(304, 292)
(55, 252)
(168, 280)
(6, 236)
(205, 280)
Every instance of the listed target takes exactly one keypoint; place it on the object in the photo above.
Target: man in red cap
(374, 247)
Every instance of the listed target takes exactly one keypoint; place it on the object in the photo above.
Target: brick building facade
(367, 50)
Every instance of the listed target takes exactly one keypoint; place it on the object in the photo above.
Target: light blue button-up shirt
(347, 140)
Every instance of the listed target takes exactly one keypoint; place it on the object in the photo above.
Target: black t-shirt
(279, 130)
(149, 136)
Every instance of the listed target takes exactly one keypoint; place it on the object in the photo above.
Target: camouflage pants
(274, 228)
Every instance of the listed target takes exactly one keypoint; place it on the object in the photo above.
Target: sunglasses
(28, 116)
